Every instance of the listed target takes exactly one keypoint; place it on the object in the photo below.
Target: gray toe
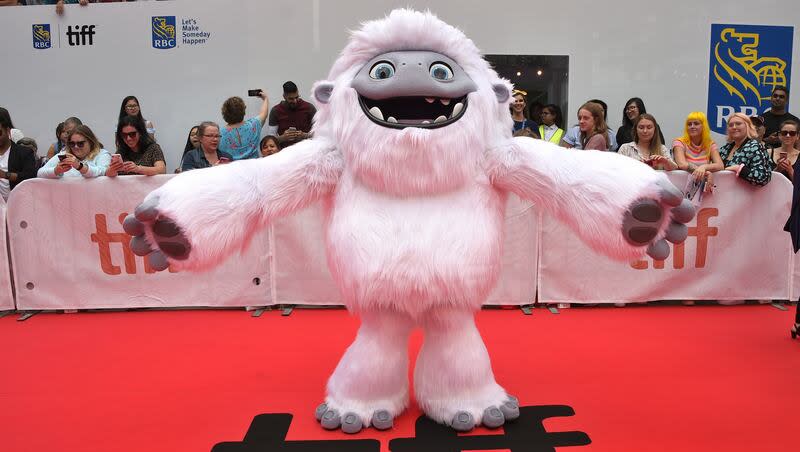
(463, 422)
(513, 399)
(147, 211)
(382, 420)
(677, 232)
(684, 212)
(493, 417)
(330, 420)
(320, 411)
(158, 261)
(510, 409)
(669, 193)
(132, 226)
(351, 423)
(139, 246)
(658, 250)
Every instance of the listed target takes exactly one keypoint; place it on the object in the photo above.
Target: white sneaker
(563, 306)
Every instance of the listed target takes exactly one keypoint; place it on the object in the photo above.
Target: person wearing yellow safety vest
(552, 121)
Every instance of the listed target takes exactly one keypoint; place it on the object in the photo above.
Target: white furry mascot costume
(413, 159)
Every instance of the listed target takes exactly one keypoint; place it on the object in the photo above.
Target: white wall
(655, 50)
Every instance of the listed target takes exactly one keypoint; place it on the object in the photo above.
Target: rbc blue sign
(745, 64)
(164, 32)
(41, 36)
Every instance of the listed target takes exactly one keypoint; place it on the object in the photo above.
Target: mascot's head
(413, 105)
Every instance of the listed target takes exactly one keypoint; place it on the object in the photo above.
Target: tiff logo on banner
(701, 232)
(104, 239)
(81, 35)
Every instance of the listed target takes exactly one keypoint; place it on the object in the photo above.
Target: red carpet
(646, 378)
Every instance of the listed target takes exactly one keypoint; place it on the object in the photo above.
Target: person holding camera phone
(85, 157)
(137, 152)
(291, 119)
(207, 153)
(646, 146)
(784, 157)
(240, 138)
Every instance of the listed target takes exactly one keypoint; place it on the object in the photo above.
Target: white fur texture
(414, 220)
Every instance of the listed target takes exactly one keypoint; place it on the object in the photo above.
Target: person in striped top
(695, 151)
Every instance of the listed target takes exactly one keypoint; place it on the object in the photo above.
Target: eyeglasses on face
(131, 107)
(788, 133)
(213, 136)
(129, 135)
(77, 144)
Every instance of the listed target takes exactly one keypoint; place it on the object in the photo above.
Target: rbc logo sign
(164, 32)
(746, 62)
(41, 36)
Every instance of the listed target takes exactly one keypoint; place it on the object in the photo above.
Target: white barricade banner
(6, 294)
(302, 276)
(736, 249)
(69, 251)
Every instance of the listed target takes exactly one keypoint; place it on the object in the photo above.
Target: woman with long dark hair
(131, 107)
(137, 152)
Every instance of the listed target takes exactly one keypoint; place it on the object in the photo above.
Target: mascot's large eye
(381, 70)
(441, 71)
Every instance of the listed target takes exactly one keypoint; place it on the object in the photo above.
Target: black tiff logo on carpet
(267, 433)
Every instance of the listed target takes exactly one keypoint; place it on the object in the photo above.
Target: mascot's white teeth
(457, 109)
(445, 101)
(430, 100)
(376, 112)
(440, 119)
(391, 119)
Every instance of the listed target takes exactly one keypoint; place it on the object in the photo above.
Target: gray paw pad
(677, 232)
(165, 228)
(147, 211)
(330, 420)
(463, 422)
(492, 417)
(684, 212)
(158, 261)
(642, 235)
(648, 210)
(351, 423)
(382, 420)
(658, 250)
(132, 226)
(510, 409)
(320, 411)
(175, 250)
(669, 193)
(139, 246)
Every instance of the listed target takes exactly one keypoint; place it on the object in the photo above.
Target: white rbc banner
(736, 249)
(69, 252)
(6, 294)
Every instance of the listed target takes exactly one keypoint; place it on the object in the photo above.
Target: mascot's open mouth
(413, 111)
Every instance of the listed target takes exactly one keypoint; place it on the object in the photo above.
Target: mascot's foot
(643, 220)
(492, 417)
(351, 422)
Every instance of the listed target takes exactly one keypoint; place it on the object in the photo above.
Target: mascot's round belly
(412, 254)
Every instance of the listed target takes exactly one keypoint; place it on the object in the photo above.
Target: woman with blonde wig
(743, 153)
(695, 151)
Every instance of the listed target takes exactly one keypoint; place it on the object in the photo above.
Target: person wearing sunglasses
(85, 157)
(137, 152)
(784, 157)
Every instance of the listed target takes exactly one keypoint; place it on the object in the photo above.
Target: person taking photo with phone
(137, 152)
(291, 119)
(784, 157)
(85, 157)
(240, 138)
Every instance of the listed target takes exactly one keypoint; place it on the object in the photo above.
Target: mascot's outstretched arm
(617, 205)
(200, 217)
